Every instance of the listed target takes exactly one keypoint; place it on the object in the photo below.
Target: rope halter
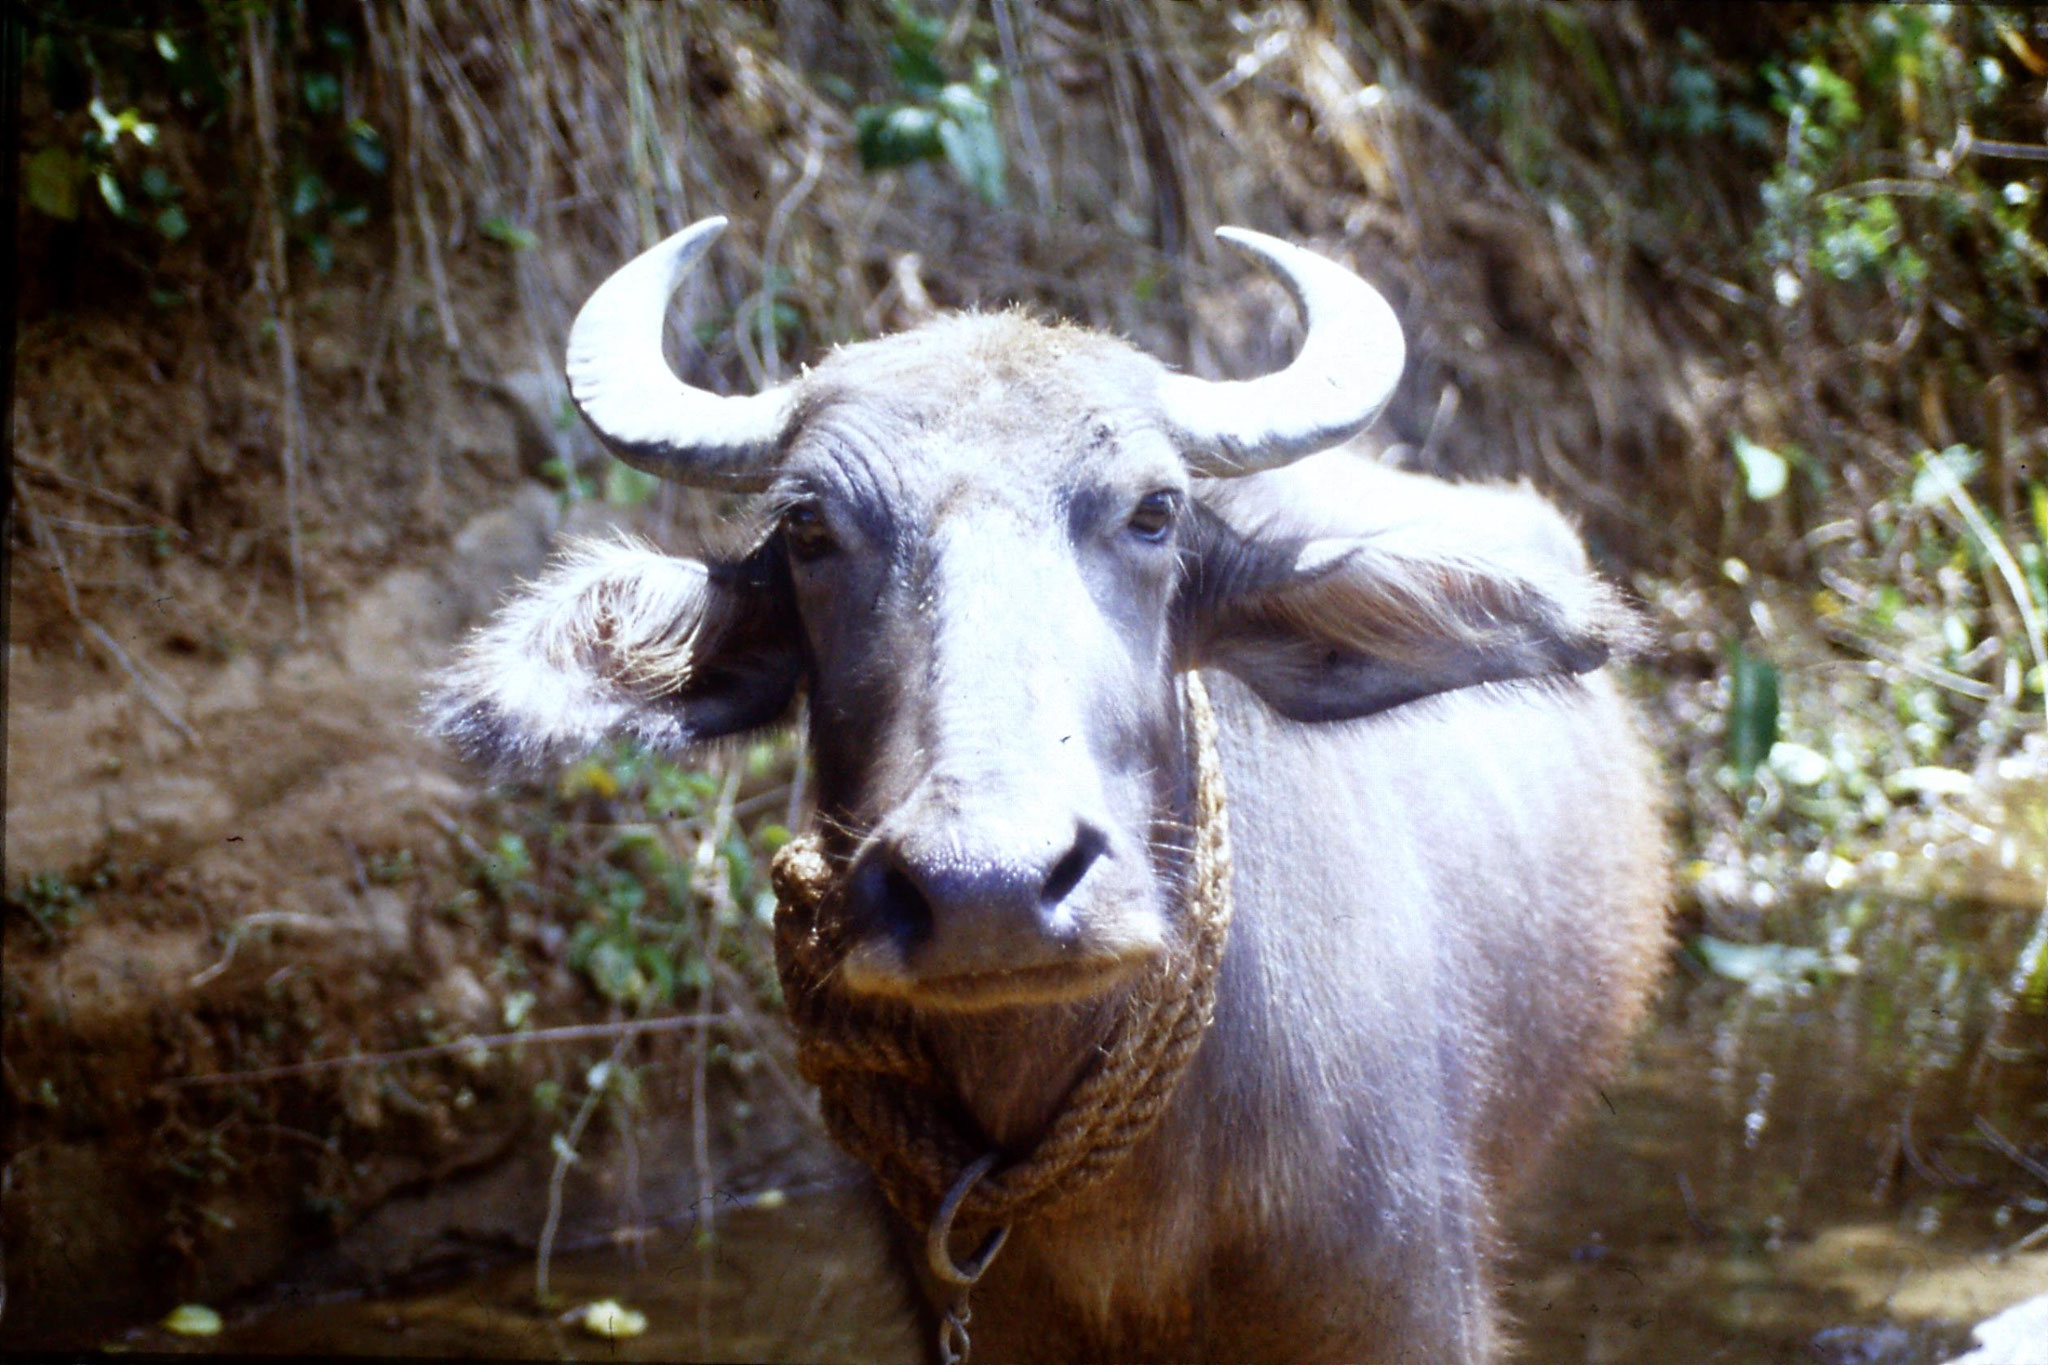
(885, 1097)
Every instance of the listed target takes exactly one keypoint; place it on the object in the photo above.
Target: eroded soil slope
(229, 848)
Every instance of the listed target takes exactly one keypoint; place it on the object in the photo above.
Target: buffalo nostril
(888, 899)
(1066, 874)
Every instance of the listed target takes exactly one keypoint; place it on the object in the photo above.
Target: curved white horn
(1349, 363)
(634, 402)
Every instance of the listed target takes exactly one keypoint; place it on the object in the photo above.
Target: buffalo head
(993, 544)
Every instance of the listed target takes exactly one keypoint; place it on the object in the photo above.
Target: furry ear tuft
(618, 639)
(1336, 627)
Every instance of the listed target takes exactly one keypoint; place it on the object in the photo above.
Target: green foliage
(1700, 103)
(508, 871)
(119, 98)
(1828, 766)
(643, 858)
(935, 116)
(508, 234)
(1840, 233)
(56, 173)
(1869, 190)
(629, 956)
(1752, 710)
(52, 901)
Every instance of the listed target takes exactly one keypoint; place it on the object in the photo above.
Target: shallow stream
(1799, 1165)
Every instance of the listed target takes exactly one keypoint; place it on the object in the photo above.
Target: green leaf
(322, 92)
(1752, 710)
(309, 191)
(507, 233)
(919, 72)
(781, 314)
(914, 50)
(614, 972)
(171, 223)
(895, 135)
(1833, 92)
(366, 145)
(110, 190)
(972, 144)
(662, 970)
(1764, 470)
(2033, 972)
(108, 127)
(52, 180)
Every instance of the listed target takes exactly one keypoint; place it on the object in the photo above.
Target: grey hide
(983, 560)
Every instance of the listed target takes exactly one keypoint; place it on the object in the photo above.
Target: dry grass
(1134, 129)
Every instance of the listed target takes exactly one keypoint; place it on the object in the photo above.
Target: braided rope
(884, 1095)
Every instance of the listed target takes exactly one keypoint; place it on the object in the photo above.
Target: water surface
(1792, 1168)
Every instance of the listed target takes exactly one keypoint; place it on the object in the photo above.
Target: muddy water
(1792, 1170)
(804, 1278)
(1788, 1171)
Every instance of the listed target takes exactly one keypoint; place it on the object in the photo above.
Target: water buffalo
(994, 546)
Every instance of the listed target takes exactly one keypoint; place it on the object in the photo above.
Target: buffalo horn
(634, 402)
(1349, 362)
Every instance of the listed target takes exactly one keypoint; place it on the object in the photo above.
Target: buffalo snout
(1027, 919)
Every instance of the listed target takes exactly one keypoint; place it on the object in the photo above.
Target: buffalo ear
(1333, 628)
(617, 639)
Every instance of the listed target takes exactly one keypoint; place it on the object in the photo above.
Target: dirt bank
(230, 849)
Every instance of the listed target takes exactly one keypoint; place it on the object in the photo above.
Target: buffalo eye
(805, 532)
(1153, 517)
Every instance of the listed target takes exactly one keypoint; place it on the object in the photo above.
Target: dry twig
(569, 1033)
(147, 687)
(274, 283)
